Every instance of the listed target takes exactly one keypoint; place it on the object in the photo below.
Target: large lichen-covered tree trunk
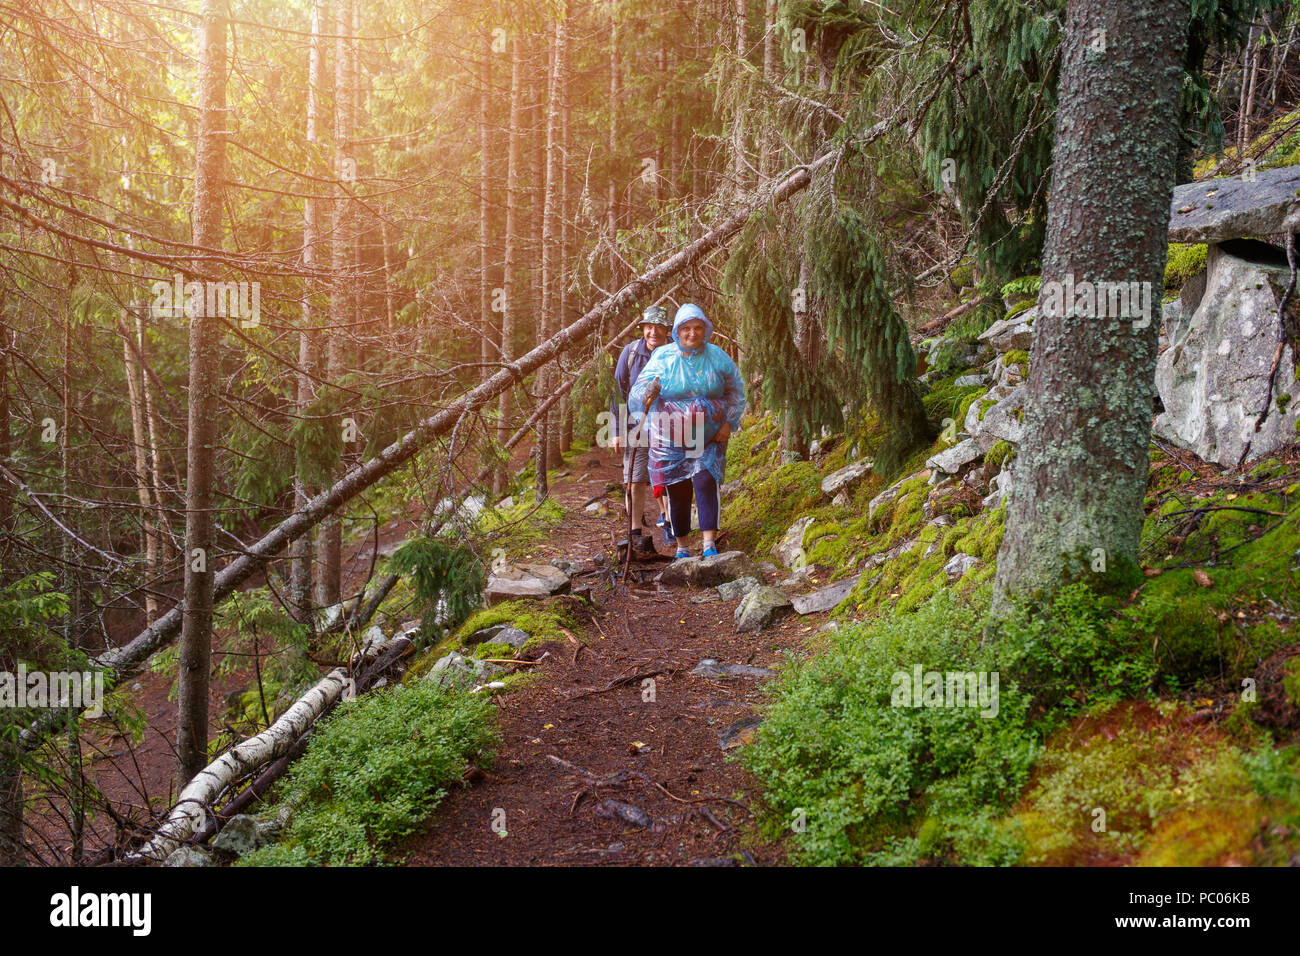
(1076, 507)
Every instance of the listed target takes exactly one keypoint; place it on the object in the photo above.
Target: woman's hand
(723, 434)
(651, 393)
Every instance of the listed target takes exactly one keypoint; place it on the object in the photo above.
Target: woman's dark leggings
(706, 502)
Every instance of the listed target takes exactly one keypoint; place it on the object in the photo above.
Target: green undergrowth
(1137, 783)
(1226, 582)
(1097, 696)
(856, 775)
(374, 770)
(861, 777)
(520, 528)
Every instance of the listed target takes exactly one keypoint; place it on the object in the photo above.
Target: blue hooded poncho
(699, 390)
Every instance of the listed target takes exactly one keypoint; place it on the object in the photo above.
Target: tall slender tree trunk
(615, 96)
(329, 581)
(541, 383)
(200, 521)
(12, 850)
(551, 252)
(300, 552)
(489, 335)
(509, 282)
(767, 151)
(140, 447)
(566, 403)
(1076, 504)
(6, 449)
(162, 527)
(738, 109)
(72, 588)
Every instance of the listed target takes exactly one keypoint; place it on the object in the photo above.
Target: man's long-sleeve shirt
(631, 361)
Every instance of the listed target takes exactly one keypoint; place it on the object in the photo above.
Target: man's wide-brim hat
(656, 315)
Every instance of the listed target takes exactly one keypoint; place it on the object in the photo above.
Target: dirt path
(599, 767)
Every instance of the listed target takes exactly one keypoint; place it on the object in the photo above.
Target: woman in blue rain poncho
(692, 398)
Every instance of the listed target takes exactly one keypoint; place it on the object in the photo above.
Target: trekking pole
(627, 503)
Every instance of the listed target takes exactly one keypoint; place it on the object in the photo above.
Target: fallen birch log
(192, 811)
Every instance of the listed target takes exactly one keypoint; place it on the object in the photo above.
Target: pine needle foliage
(447, 579)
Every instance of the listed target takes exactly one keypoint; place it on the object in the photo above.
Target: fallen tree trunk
(191, 812)
(133, 654)
(393, 652)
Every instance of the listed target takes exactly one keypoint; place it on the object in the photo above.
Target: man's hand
(616, 443)
(723, 434)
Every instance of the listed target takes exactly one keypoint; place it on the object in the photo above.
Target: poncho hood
(692, 311)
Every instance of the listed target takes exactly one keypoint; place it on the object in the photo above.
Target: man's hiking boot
(643, 544)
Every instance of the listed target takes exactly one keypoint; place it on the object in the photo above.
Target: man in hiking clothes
(636, 451)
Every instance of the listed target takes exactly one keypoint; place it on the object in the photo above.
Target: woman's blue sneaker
(681, 553)
(710, 551)
(662, 522)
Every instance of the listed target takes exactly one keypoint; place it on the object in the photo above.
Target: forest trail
(570, 739)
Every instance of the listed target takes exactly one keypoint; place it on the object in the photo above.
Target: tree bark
(562, 316)
(193, 805)
(551, 252)
(200, 521)
(738, 110)
(1079, 480)
(140, 447)
(615, 95)
(329, 572)
(509, 285)
(300, 554)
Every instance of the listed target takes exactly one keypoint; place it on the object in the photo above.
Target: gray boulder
(525, 581)
(730, 590)
(1001, 485)
(846, 478)
(1213, 377)
(1001, 421)
(1013, 332)
(1217, 209)
(760, 608)
(886, 496)
(959, 565)
(708, 572)
(823, 599)
(498, 634)
(883, 557)
(952, 460)
(189, 856)
(790, 547)
(456, 670)
(241, 834)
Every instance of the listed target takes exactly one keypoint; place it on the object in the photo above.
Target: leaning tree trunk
(1076, 507)
(200, 522)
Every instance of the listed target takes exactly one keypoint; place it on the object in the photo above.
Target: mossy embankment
(1151, 727)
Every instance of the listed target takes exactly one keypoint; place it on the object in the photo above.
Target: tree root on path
(591, 785)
